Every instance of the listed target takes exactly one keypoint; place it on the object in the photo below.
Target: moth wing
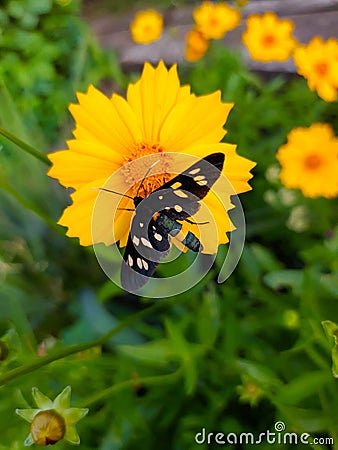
(145, 247)
(180, 196)
(198, 178)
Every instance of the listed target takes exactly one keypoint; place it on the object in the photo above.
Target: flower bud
(47, 428)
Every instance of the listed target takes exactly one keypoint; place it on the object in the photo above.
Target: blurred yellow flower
(213, 20)
(53, 421)
(269, 38)
(146, 27)
(309, 161)
(196, 45)
(158, 118)
(318, 63)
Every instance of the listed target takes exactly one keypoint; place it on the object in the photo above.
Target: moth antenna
(195, 223)
(147, 173)
(113, 192)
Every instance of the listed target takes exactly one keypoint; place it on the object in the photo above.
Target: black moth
(159, 215)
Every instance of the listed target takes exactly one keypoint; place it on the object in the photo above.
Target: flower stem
(116, 388)
(62, 353)
(24, 146)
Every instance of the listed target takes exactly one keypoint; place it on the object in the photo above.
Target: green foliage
(331, 330)
(235, 357)
(46, 54)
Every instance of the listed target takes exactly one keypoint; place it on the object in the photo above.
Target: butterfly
(158, 216)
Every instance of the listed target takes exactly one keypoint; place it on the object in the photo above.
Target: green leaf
(285, 278)
(262, 375)
(185, 353)
(302, 387)
(39, 7)
(330, 282)
(309, 420)
(156, 354)
(108, 291)
(208, 318)
(11, 117)
(16, 9)
(249, 266)
(265, 258)
(331, 331)
(95, 320)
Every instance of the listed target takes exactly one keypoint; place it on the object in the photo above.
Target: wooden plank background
(311, 17)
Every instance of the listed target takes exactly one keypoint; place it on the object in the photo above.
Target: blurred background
(232, 357)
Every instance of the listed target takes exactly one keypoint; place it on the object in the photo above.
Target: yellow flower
(213, 20)
(159, 119)
(196, 45)
(318, 63)
(146, 27)
(53, 420)
(309, 161)
(269, 38)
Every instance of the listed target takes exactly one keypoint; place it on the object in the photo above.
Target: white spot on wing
(176, 185)
(145, 264)
(199, 178)
(139, 263)
(193, 172)
(158, 237)
(160, 197)
(141, 224)
(130, 260)
(145, 242)
(136, 240)
(202, 182)
(178, 208)
(180, 194)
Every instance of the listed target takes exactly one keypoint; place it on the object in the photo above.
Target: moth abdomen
(192, 242)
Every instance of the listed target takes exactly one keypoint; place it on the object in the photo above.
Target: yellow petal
(74, 170)
(93, 213)
(97, 114)
(195, 120)
(153, 97)
(127, 116)
(237, 170)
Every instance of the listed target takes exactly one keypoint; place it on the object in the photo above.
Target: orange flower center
(268, 40)
(312, 162)
(213, 21)
(137, 169)
(321, 68)
(147, 28)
